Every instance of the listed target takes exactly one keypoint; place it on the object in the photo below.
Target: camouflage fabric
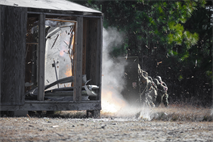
(162, 93)
(152, 92)
(165, 99)
(153, 89)
(148, 93)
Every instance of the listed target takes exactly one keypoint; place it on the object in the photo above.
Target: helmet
(159, 78)
(156, 81)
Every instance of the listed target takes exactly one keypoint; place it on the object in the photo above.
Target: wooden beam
(84, 46)
(2, 14)
(23, 28)
(63, 93)
(99, 55)
(41, 57)
(55, 106)
(64, 13)
(88, 49)
(78, 60)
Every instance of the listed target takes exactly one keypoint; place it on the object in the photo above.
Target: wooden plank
(2, 15)
(61, 13)
(64, 13)
(63, 106)
(84, 46)
(97, 60)
(63, 93)
(9, 107)
(59, 102)
(78, 60)
(23, 28)
(41, 57)
(13, 25)
(55, 106)
(88, 50)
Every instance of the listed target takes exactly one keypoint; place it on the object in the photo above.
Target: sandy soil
(66, 127)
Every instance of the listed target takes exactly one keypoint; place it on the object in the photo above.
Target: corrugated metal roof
(63, 5)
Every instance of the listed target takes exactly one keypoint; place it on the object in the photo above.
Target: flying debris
(64, 93)
(89, 88)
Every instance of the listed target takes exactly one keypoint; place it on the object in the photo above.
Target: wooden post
(2, 14)
(41, 57)
(84, 46)
(99, 55)
(78, 60)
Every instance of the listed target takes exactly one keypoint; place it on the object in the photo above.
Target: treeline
(172, 39)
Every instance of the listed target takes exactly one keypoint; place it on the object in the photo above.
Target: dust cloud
(112, 79)
(112, 72)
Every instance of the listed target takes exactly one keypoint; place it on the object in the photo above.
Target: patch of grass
(174, 117)
(182, 112)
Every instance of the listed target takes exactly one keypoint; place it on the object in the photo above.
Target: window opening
(59, 54)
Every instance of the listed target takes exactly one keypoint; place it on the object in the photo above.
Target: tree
(173, 39)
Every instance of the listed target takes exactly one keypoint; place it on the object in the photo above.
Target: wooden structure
(18, 18)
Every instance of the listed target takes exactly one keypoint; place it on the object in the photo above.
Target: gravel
(160, 127)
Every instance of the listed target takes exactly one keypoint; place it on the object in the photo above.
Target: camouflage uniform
(144, 86)
(162, 92)
(147, 93)
(153, 90)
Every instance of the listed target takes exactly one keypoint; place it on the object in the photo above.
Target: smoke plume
(112, 79)
(112, 82)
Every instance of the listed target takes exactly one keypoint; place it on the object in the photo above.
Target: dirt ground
(163, 124)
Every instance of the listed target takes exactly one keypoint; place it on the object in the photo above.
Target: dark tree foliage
(172, 39)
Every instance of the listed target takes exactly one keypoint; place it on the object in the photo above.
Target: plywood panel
(13, 23)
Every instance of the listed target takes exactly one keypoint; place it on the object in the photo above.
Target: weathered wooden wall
(13, 49)
(13, 46)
